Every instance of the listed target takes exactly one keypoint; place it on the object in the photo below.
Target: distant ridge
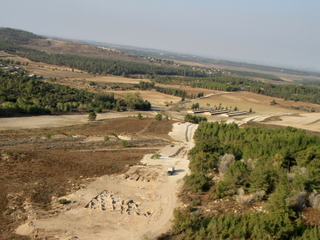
(13, 38)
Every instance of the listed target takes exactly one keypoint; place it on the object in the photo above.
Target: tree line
(99, 66)
(28, 95)
(295, 92)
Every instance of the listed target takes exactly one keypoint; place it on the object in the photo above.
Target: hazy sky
(283, 32)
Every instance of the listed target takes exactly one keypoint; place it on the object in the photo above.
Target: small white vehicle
(170, 170)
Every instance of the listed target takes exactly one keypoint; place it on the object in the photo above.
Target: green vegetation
(254, 74)
(229, 83)
(63, 201)
(155, 156)
(158, 117)
(12, 41)
(92, 116)
(124, 143)
(139, 116)
(31, 96)
(145, 85)
(194, 118)
(273, 102)
(277, 167)
(48, 135)
(106, 138)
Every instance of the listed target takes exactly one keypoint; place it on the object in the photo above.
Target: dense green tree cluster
(17, 37)
(172, 91)
(104, 66)
(279, 167)
(215, 86)
(190, 225)
(135, 101)
(144, 85)
(287, 92)
(28, 95)
(194, 118)
(254, 74)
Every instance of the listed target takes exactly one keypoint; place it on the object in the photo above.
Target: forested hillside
(250, 166)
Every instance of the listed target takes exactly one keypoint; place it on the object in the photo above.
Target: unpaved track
(154, 193)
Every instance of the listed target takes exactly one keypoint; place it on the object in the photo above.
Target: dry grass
(35, 176)
(259, 103)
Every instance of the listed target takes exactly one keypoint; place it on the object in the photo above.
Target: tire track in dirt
(164, 222)
(159, 196)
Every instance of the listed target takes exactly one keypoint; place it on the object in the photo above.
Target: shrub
(155, 156)
(92, 116)
(48, 135)
(273, 102)
(106, 138)
(63, 201)
(116, 136)
(124, 143)
(159, 117)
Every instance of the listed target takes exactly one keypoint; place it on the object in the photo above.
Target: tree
(195, 106)
(278, 202)
(194, 119)
(262, 177)
(197, 182)
(140, 116)
(158, 117)
(92, 116)
(273, 102)
(234, 178)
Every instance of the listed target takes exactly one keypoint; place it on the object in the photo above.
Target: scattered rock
(109, 201)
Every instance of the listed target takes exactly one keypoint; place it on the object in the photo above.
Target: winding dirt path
(137, 205)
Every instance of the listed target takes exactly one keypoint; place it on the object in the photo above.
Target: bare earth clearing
(128, 206)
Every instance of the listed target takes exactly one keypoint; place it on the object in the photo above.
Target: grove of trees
(31, 96)
(277, 167)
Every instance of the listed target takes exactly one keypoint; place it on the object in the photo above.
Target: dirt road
(135, 205)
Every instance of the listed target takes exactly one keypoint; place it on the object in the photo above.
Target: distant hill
(223, 63)
(13, 38)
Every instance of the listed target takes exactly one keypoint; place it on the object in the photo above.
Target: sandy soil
(135, 205)
(308, 121)
(260, 104)
(60, 120)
